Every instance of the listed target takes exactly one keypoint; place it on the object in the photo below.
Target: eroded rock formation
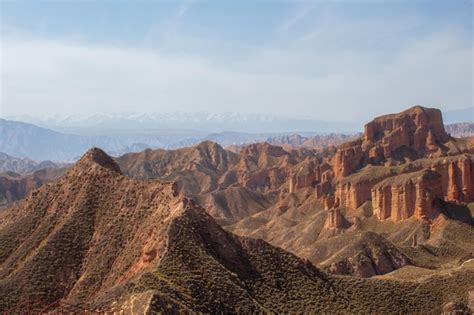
(416, 132)
(335, 219)
(305, 175)
(403, 162)
(401, 197)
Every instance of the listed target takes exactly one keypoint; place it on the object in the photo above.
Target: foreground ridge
(100, 240)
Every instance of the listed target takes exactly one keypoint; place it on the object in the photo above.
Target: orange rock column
(467, 178)
(453, 190)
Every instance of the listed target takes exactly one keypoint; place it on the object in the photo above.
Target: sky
(326, 60)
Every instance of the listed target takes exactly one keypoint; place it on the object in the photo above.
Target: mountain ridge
(98, 239)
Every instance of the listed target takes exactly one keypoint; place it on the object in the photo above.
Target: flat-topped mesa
(416, 132)
(403, 163)
(418, 128)
(412, 118)
(384, 151)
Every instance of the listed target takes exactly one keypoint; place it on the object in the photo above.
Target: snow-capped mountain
(199, 121)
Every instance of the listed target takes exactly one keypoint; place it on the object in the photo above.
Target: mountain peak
(98, 156)
(209, 145)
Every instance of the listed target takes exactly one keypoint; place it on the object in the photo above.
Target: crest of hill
(89, 229)
(98, 157)
(218, 178)
(207, 157)
(14, 187)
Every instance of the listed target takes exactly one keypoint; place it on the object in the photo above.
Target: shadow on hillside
(455, 211)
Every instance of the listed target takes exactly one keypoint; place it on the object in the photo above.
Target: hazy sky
(330, 60)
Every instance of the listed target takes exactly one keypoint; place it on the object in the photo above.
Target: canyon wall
(403, 196)
(457, 177)
(454, 181)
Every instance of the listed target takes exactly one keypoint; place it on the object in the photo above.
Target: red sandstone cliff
(414, 133)
(403, 196)
(402, 163)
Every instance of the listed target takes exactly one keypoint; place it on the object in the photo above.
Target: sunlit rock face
(416, 132)
(417, 128)
(402, 163)
(407, 195)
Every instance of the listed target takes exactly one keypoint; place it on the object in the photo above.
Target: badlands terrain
(382, 223)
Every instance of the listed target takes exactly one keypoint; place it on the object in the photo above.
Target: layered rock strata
(335, 219)
(402, 163)
(401, 197)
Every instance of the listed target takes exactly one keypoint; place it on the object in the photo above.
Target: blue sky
(330, 60)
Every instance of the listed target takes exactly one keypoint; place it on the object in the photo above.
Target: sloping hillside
(98, 239)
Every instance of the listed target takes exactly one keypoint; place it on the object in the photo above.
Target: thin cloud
(184, 8)
(296, 17)
(76, 78)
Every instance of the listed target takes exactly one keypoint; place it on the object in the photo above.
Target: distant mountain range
(206, 122)
(460, 130)
(459, 115)
(66, 139)
(26, 140)
(203, 121)
(22, 165)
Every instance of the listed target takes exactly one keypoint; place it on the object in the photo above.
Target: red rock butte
(402, 163)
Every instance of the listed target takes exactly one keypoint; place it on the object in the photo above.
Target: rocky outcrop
(414, 240)
(374, 255)
(335, 219)
(352, 195)
(382, 201)
(457, 176)
(467, 178)
(306, 175)
(375, 167)
(265, 181)
(416, 132)
(348, 158)
(453, 189)
(417, 128)
(401, 197)
(454, 183)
